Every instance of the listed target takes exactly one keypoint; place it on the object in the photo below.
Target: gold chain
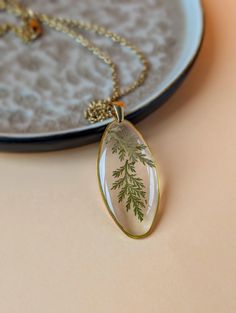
(31, 29)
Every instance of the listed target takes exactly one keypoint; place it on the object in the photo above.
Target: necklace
(127, 172)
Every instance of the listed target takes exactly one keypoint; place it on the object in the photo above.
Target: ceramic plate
(46, 86)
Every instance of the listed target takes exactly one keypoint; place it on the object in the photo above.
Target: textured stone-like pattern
(46, 85)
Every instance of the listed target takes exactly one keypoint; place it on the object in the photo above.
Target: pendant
(128, 177)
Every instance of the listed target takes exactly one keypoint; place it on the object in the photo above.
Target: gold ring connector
(119, 110)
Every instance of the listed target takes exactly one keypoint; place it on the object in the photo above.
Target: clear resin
(128, 179)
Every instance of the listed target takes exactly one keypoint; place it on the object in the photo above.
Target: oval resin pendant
(128, 179)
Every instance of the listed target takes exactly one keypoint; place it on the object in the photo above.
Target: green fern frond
(129, 185)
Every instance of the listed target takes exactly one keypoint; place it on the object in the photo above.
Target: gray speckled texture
(45, 86)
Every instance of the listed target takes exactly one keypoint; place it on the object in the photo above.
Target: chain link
(30, 29)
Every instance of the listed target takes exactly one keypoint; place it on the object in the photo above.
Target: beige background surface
(59, 250)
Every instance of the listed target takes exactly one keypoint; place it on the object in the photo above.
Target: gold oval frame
(103, 196)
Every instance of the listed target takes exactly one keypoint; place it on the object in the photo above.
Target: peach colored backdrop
(61, 253)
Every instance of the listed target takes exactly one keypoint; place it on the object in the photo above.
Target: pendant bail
(119, 111)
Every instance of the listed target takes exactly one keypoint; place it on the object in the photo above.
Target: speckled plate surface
(46, 86)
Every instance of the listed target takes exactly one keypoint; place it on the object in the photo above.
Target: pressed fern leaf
(130, 187)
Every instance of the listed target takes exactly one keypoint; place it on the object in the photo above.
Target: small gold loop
(33, 27)
(119, 111)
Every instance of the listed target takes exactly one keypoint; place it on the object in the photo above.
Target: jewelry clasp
(32, 27)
